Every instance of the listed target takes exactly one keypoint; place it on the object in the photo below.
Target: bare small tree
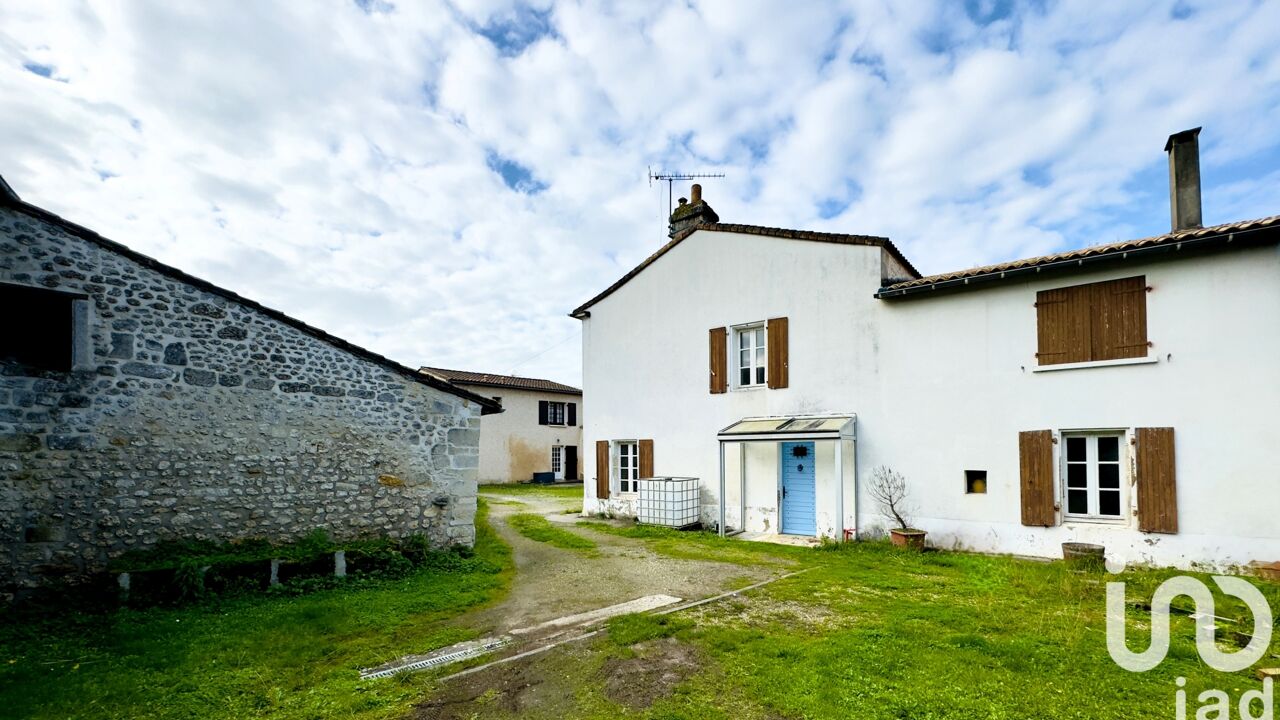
(889, 488)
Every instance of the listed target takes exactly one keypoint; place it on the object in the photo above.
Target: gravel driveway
(551, 582)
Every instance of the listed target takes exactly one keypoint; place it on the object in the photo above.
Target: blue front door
(799, 514)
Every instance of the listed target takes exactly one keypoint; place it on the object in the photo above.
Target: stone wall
(195, 414)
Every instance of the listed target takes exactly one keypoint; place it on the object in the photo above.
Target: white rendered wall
(513, 445)
(943, 384)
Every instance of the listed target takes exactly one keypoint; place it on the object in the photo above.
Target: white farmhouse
(1121, 394)
(540, 431)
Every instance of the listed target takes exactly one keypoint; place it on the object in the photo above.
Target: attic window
(41, 329)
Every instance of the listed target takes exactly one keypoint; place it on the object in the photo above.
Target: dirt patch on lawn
(511, 692)
(552, 582)
(651, 674)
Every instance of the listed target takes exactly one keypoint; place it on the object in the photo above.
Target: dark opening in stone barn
(38, 328)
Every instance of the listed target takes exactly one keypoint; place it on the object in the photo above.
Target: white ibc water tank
(668, 501)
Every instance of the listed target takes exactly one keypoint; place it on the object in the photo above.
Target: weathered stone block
(466, 437)
(137, 369)
(19, 443)
(175, 354)
(231, 332)
(70, 442)
(207, 310)
(328, 391)
(294, 387)
(200, 378)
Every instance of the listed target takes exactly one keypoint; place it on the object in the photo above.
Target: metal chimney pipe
(1184, 179)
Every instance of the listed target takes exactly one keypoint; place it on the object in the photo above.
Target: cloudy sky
(443, 181)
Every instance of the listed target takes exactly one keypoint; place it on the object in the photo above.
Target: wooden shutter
(1119, 319)
(779, 357)
(719, 360)
(1063, 325)
(1035, 450)
(1157, 484)
(571, 415)
(542, 412)
(646, 458)
(602, 469)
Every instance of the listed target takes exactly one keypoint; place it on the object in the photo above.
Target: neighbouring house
(538, 433)
(1122, 394)
(140, 404)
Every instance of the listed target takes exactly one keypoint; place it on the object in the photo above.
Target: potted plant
(889, 489)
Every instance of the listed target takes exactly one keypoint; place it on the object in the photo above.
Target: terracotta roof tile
(1221, 233)
(466, 377)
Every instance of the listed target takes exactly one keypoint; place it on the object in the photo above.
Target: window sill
(749, 388)
(1085, 520)
(1095, 364)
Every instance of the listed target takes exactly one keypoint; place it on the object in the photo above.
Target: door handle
(784, 492)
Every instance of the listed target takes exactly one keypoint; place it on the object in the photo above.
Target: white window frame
(626, 466)
(758, 354)
(563, 412)
(1092, 489)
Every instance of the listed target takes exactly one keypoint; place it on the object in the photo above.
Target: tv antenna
(672, 177)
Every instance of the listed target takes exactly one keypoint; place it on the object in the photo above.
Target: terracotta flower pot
(908, 538)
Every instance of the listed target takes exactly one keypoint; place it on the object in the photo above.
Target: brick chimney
(1184, 179)
(690, 212)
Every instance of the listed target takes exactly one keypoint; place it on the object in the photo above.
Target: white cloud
(340, 164)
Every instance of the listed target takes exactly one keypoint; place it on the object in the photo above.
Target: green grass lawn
(865, 631)
(567, 492)
(869, 631)
(257, 656)
(537, 527)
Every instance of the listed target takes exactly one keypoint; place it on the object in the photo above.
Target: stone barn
(139, 404)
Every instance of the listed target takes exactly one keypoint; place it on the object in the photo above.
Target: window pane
(1077, 475)
(760, 337)
(1109, 448)
(1108, 475)
(760, 357)
(1075, 449)
(744, 358)
(744, 377)
(1078, 502)
(1109, 503)
(744, 340)
(760, 376)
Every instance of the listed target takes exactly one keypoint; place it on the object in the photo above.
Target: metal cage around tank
(668, 501)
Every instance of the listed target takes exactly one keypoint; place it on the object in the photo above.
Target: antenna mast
(671, 178)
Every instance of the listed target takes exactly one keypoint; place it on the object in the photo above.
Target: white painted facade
(944, 384)
(513, 446)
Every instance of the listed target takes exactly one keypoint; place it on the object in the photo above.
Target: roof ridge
(1121, 246)
(486, 404)
(517, 382)
(781, 233)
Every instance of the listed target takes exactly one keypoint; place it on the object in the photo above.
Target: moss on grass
(537, 527)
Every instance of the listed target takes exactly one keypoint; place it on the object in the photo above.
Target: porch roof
(790, 427)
